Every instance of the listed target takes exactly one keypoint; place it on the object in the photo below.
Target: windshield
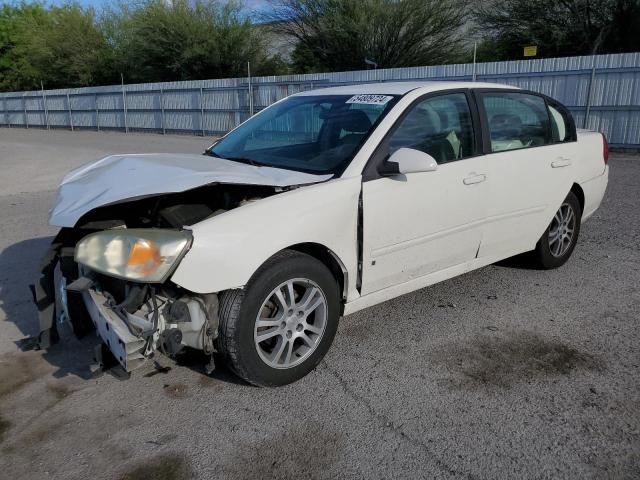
(314, 134)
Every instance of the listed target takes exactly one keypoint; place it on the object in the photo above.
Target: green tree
(186, 40)
(341, 34)
(61, 46)
(558, 28)
(14, 68)
(149, 40)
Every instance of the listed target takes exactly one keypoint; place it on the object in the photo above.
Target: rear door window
(516, 120)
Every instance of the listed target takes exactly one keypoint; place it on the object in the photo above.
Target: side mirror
(408, 160)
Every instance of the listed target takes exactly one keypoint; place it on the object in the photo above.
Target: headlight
(144, 255)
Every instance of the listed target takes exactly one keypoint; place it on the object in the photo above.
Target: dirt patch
(298, 453)
(25, 441)
(172, 466)
(505, 360)
(19, 369)
(58, 390)
(176, 390)
(4, 427)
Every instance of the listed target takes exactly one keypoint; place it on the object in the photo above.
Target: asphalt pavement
(505, 372)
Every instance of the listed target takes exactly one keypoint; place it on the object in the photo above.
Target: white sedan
(325, 203)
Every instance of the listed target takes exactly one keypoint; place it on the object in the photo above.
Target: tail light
(605, 149)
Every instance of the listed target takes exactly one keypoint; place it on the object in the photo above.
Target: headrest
(353, 121)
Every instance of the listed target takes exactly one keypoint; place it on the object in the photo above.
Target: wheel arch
(579, 193)
(329, 259)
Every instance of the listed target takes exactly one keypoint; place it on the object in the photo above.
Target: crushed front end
(135, 317)
(111, 273)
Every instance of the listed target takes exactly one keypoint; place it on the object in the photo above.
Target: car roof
(400, 88)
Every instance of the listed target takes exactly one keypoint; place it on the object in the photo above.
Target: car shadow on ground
(524, 261)
(18, 269)
(19, 265)
(196, 361)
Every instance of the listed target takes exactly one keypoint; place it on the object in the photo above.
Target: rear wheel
(279, 327)
(559, 239)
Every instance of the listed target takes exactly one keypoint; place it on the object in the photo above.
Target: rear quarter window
(560, 130)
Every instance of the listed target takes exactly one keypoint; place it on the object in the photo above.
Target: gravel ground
(506, 372)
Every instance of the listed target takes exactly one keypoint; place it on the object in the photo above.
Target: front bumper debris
(132, 319)
(152, 318)
(127, 348)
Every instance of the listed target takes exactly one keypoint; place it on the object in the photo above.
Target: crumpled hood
(119, 178)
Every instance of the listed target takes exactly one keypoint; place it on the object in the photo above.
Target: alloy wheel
(562, 230)
(290, 323)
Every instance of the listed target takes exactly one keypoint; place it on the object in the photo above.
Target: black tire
(543, 254)
(239, 309)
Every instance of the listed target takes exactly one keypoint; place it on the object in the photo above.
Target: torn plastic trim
(43, 290)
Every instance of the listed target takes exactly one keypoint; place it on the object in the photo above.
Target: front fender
(229, 248)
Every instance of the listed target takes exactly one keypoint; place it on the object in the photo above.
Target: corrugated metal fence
(602, 91)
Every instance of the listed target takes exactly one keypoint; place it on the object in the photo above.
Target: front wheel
(279, 327)
(559, 239)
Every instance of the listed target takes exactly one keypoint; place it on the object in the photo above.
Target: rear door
(529, 167)
(422, 223)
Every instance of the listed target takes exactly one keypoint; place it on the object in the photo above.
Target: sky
(98, 4)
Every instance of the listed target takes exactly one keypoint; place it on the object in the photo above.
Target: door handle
(561, 162)
(474, 178)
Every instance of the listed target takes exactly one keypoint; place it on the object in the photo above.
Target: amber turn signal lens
(145, 257)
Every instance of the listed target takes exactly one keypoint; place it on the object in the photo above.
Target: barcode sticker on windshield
(370, 99)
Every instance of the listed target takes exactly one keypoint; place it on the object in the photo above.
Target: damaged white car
(325, 203)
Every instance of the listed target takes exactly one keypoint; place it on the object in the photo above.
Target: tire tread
(230, 304)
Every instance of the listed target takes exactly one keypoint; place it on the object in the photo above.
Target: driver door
(422, 223)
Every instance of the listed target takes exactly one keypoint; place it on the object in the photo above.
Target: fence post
(164, 128)
(24, 107)
(124, 105)
(44, 106)
(6, 113)
(250, 89)
(239, 111)
(70, 114)
(473, 74)
(590, 92)
(201, 99)
(95, 104)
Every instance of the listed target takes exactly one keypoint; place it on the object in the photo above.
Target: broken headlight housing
(142, 255)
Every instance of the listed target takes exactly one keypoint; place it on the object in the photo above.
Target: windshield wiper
(253, 163)
(243, 160)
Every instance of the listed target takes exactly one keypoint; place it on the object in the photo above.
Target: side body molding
(229, 248)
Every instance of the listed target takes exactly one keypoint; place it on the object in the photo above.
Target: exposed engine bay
(135, 319)
(175, 210)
